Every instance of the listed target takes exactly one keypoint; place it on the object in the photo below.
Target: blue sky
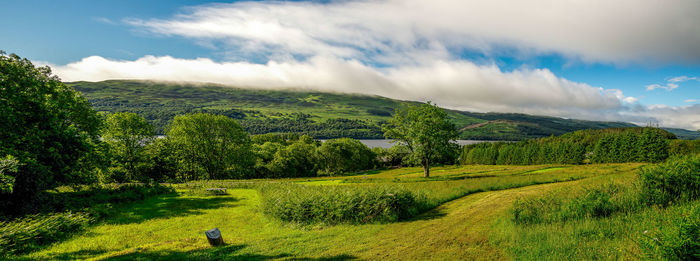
(591, 64)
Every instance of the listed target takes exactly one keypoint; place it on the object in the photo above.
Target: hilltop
(319, 114)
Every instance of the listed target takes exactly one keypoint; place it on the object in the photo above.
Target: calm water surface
(389, 143)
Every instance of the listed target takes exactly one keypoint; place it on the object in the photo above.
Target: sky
(627, 60)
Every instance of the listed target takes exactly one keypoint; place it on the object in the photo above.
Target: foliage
(392, 157)
(210, 147)
(161, 161)
(338, 156)
(47, 126)
(8, 169)
(680, 242)
(684, 147)
(598, 146)
(676, 180)
(651, 145)
(296, 160)
(425, 130)
(127, 134)
(339, 204)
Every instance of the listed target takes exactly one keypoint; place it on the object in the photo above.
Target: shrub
(675, 180)
(338, 156)
(340, 204)
(680, 242)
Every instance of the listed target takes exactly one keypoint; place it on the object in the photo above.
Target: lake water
(388, 143)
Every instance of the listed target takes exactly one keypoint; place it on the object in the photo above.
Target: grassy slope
(118, 95)
(170, 227)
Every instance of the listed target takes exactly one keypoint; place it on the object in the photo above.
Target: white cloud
(691, 100)
(667, 87)
(671, 83)
(412, 31)
(683, 79)
(453, 84)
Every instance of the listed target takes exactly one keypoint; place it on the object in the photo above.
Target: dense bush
(345, 155)
(680, 242)
(30, 232)
(340, 204)
(599, 146)
(675, 180)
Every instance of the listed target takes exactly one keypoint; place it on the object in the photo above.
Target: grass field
(470, 219)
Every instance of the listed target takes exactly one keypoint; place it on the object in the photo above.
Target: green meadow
(468, 216)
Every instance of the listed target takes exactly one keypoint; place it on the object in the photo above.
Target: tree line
(614, 145)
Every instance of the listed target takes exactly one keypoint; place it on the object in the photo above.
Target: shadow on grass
(166, 206)
(434, 213)
(228, 252)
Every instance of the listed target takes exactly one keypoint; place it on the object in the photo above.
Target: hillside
(321, 115)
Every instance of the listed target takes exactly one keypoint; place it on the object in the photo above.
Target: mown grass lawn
(463, 226)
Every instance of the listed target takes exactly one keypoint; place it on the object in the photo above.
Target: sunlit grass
(172, 227)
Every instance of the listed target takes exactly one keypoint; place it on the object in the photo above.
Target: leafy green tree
(425, 130)
(48, 127)
(296, 160)
(160, 161)
(8, 168)
(127, 135)
(210, 147)
(343, 155)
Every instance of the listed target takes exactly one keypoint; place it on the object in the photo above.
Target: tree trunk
(426, 168)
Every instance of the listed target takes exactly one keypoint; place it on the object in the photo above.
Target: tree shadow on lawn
(166, 206)
(434, 213)
(227, 252)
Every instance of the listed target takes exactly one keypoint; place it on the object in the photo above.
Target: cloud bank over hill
(412, 50)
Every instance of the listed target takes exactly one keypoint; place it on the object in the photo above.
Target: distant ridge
(319, 114)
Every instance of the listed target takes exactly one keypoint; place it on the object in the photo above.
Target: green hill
(319, 114)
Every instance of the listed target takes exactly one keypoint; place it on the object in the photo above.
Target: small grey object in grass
(214, 237)
(217, 191)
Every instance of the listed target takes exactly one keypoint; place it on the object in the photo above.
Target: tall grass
(675, 180)
(340, 204)
(656, 216)
(593, 202)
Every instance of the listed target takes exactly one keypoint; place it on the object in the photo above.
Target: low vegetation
(635, 217)
(340, 204)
